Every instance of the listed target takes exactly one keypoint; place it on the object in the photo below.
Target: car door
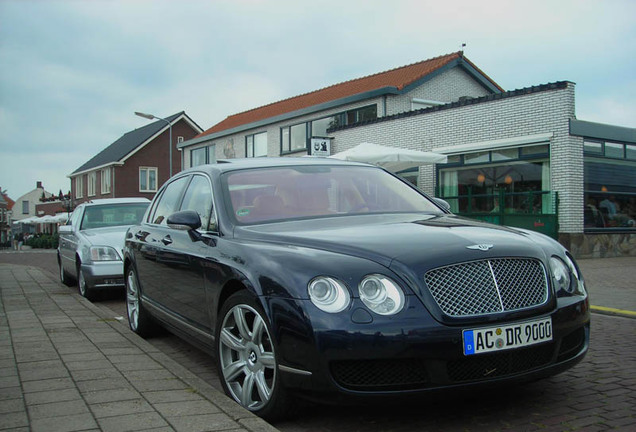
(149, 240)
(69, 241)
(184, 255)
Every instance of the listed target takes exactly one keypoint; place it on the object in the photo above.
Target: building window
(477, 180)
(198, 156)
(295, 138)
(256, 145)
(202, 156)
(106, 180)
(92, 183)
(79, 187)
(25, 207)
(147, 179)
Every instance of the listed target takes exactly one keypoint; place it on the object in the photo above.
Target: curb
(613, 311)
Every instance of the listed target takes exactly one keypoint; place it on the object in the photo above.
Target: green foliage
(43, 241)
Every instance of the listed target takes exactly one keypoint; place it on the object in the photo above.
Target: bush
(43, 241)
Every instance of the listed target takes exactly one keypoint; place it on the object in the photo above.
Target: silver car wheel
(81, 282)
(247, 357)
(132, 300)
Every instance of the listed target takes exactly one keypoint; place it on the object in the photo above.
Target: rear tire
(139, 320)
(246, 358)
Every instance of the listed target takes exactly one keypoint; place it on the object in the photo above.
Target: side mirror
(186, 220)
(65, 229)
(443, 204)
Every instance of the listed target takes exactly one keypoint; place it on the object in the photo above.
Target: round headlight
(561, 275)
(328, 294)
(381, 295)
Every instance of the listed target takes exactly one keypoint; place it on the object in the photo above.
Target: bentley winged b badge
(481, 247)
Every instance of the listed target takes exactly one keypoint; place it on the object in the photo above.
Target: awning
(392, 158)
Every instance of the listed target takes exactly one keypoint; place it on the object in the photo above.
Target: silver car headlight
(577, 282)
(328, 294)
(381, 295)
(104, 253)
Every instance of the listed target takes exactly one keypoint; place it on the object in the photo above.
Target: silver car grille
(488, 286)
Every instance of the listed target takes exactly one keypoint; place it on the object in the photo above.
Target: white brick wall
(540, 112)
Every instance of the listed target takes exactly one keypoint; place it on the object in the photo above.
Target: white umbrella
(47, 219)
(392, 158)
(29, 220)
(61, 217)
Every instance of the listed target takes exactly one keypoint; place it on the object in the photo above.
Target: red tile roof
(397, 78)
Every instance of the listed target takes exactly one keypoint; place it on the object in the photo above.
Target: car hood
(111, 236)
(414, 241)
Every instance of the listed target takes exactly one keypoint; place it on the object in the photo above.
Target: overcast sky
(73, 72)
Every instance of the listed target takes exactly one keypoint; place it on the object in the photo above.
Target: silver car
(92, 241)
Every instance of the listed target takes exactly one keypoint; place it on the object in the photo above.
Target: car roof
(103, 201)
(226, 165)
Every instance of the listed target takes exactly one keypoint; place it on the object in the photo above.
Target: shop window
(593, 147)
(614, 150)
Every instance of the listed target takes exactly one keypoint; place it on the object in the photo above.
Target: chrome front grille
(488, 286)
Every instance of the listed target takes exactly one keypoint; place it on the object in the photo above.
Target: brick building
(135, 165)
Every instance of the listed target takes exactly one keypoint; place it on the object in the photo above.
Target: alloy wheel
(247, 358)
(132, 300)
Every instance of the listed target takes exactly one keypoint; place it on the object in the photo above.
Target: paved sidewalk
(66, 365)
(611, 283)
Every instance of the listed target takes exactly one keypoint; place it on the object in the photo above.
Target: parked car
(91, 244)
(334, 280)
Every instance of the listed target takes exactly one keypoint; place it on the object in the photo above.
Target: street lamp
(154, 117)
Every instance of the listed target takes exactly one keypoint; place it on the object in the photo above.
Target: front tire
(85, 291)
(139, 320)
(64, 277)
(246, 358)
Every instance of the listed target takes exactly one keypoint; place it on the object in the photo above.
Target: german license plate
(505, 337)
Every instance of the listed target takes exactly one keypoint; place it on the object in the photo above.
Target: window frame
(91, 183)
(147, 178)
(79, 186)
(252, 138)
(106, 179)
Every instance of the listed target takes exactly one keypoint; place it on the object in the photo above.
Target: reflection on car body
(91, 244)
(335, 280)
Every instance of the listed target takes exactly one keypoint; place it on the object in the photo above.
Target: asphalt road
(595, 395)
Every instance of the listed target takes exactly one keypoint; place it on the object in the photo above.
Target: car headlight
(579, 285)
(381, 295)
(328, 294)
(566, 276)
(104, 253)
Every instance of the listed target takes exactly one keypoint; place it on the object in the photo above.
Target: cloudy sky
(73, 72)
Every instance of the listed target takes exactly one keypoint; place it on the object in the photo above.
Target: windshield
(109, 215)
(274, 194)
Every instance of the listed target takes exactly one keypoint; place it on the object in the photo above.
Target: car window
(169, 201)
(110, 215)
(74, 220)
(198, 197)
(268, 194)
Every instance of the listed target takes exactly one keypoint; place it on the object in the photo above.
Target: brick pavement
(66, 365)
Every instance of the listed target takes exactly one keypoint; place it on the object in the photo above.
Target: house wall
(448, 86)
(523, 115)
(33, 197)
(125, 178)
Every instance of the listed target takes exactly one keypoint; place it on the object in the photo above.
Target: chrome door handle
(166, 240)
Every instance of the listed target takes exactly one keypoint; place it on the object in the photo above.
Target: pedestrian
(20, 241)
(15, 241)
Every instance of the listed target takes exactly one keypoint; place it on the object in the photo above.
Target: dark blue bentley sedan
(337, 280)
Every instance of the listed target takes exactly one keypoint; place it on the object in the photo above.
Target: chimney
(39, 185)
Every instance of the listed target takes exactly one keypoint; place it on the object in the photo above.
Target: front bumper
(104, 275)
(411, 353)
